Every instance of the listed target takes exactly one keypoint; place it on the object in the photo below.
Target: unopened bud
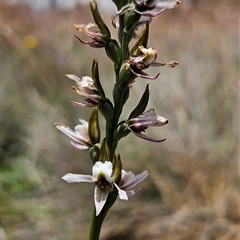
(117, 169)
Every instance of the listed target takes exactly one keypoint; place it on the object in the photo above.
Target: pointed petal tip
(59, 125)
(73, 77)
(100, 198)
(145, 137)
(66, 177)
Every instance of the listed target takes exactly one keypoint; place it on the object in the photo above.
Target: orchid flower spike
(103, 180)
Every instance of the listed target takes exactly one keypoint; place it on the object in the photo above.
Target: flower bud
(104, 154)
(121, 131)
(106, 109)
(139, 109)
(113, 51)
(131, 18)
(94, 152)
(126, 76)
(117, 168)
(94, 129)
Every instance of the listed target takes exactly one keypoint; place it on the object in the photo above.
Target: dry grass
(193, 189)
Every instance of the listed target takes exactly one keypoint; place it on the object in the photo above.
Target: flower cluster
(130, 62)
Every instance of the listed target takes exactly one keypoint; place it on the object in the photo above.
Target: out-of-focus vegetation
(193, 188)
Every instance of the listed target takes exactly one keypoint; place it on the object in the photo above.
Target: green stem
(120, 95)
(96, 221)
(95, 226)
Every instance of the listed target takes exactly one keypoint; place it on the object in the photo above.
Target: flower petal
(70, 133)
(104, 169)
(82, 104)
(100, 197)
(82, 128)
(87, 93)
(167, 4)
(152, 14)
(144, 75)
(121, 193)
(133, 192)
(71, 178)
(73, 77)
(79, 146)
(130, 180)
(145, 137)
(167, 64)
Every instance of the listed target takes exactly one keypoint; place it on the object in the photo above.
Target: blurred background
(193, 189)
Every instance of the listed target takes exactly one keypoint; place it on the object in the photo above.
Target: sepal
(120, 3)
(131, 19)
(98, 20)
(96, 79)
(140, 108)
(141, 41)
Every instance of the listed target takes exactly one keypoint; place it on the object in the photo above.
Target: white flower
(148, 8)
(153, 8)
(85, 87)
(102, 177)
(79, 137)
(147, 119)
